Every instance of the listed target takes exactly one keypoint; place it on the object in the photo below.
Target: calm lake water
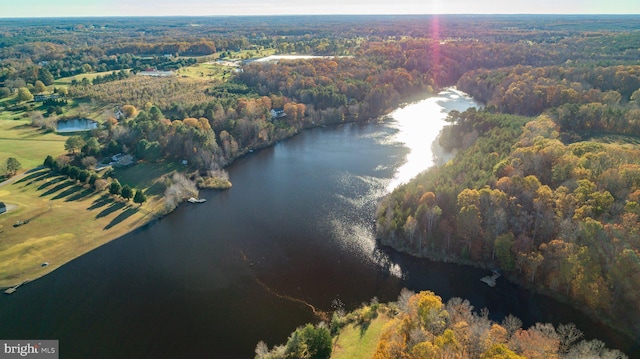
(211, 280)
(76, 125)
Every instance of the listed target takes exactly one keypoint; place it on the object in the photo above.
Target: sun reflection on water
(415, 127)
(418, 127)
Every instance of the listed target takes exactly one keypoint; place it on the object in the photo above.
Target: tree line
(420, 325)
(83, 176)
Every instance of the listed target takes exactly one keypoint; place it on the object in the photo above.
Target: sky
(74, 8)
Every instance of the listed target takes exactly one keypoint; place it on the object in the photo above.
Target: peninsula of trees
(420, 325)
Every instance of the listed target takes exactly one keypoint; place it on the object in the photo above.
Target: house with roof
(277, 113)
(3, 207)
(42, 98)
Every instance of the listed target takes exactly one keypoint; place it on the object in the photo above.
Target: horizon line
(309, 14)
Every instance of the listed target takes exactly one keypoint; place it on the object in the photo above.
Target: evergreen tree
(126, 192)
(115, 187)
(139, 197)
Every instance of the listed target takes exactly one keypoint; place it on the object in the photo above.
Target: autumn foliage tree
(555, 216)
(425, 327)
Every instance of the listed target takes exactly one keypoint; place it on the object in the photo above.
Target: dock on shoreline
(491, 280)
(13, 289)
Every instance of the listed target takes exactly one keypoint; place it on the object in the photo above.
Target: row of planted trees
(91, 179)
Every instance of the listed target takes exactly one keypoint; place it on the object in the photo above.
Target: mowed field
(359, 341)
(66, 81)
(207, 71)
(28, 145)
(64, 220)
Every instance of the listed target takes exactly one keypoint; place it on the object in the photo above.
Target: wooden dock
(491, 280)
(13, 289)
(10, 290)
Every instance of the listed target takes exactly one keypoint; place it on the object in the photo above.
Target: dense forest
(550, 199)
(545, 184)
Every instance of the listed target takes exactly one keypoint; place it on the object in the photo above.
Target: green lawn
(66, 81)
(27, 144)
(145, 175)
(251, 53)
(617, 139)
(9, 99)
(356, 342)
(66, 220)
(205, 71)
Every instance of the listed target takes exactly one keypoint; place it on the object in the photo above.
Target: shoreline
(46, 242)
(510, 278)
(97, 239)
(441, 157)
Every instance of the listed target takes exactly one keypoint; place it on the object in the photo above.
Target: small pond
(76, 125)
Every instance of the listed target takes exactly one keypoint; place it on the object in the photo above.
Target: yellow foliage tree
(500, 351)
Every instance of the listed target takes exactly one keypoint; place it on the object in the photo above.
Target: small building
(42, 98)
(155, 73)
(123, 160)
(119, 114)
(277, 113)
(3, 208)
(117, 157)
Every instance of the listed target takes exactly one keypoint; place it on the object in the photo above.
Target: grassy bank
(65, 220)
(357, 341)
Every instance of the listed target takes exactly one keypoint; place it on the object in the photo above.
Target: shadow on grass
(121, 217)
(35, 176)
(112, 208)
(155, 189)
(363, 327)
(53, 181)
(100, 202)
(69, 191)
(80, 195)
(19, 127)
(57, 188)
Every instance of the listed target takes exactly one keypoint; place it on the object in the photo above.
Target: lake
(76, 125)
(296, 230)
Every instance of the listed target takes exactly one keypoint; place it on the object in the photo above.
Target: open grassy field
(65, 220)
(208, 71)
(66, 81)
(11, 98)
(145, 175)
(626, 141)
(27, 144)
(358, 342)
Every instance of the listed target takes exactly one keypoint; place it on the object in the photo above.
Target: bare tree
(593, 349)
(262, 350)
(460, 310)
(179, 188)
(89, 162)
(568, 334)
(511, 324)
(37, 119)
(403, 299)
